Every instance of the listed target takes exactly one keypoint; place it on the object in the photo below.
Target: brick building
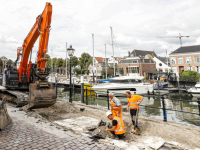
(185, 58)
(137, 62)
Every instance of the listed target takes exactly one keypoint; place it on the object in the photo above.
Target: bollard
(56, 86)
(108, 100)
(86, 97)
(198, 101)
(82, 90)
(164, 110)
(73, 84)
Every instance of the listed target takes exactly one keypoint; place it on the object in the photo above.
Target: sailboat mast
(93, 56)
(113, 50)
(105, 61)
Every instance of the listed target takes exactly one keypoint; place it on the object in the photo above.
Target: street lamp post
(70, 51)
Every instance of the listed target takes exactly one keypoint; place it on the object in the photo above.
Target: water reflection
(174, 116)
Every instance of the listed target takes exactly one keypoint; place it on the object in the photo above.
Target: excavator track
(36, 98)
(19, 98)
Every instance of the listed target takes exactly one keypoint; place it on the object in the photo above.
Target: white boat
(119, 85)
(195, 91)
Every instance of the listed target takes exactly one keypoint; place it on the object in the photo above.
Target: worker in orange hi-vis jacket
(133, 104)
(116, 107)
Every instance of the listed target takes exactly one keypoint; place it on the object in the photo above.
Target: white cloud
(136, 25)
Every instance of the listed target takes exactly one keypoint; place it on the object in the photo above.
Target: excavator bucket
(41, 96)
(5, 119)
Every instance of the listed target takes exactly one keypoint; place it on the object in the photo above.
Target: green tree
(48, 63)
(59, 62)
(9, 61)
(77, 70)
(188, 75)
(54, 60)
(1, 62)
(47, 56)
(64, 63)
(85, 60)
(75, 61)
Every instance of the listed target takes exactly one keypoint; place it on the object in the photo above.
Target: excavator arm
(40, 29)
(41, 93)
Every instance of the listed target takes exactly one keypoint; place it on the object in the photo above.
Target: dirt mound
(61, 110)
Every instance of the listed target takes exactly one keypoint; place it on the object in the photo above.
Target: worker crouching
(117, 126)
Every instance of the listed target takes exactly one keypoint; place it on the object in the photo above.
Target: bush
(188, 75)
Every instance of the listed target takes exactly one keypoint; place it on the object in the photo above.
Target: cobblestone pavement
(22, 136)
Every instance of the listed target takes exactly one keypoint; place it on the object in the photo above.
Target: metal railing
(87, 94)
(162, 97)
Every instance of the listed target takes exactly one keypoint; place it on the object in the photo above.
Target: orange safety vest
(120, 129)
(115, 109)
(133, 102)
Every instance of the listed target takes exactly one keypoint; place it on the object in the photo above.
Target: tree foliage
(59, 62)
(10, 61)
(85, 60)
(1, 62)
(54, 62)
(48, 63)
(75, 61)
(188, 75)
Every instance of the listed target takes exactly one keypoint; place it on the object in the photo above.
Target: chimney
(152, 55)
(129, 54)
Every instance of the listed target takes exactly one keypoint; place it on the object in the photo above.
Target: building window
(197, 69)
(189, 67)
(180, 60)
(133, 69)
(174, 69)
(134, 61)
(196, 59)
(121, 70)
(188, 60)
(173, 60)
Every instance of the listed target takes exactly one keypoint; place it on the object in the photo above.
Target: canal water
(172, 116)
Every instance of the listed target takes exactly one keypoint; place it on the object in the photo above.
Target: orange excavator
(28, 84)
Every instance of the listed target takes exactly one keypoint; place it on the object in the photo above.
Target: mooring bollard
(86, 97)
(82, 90)
(56, 86)
(108, 99)
(198, 101)
(164, 110)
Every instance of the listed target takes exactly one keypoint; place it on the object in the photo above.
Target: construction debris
(5, 119)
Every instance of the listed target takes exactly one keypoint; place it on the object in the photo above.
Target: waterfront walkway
(24, 136)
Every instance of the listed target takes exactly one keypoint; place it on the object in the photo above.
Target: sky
(136, 24)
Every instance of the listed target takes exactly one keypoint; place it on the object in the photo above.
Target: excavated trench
(85, 120)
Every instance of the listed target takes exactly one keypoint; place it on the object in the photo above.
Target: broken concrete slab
(154, 142)
(5, 119)
(78, 124)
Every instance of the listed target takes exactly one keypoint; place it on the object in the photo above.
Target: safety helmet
(108, 113)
